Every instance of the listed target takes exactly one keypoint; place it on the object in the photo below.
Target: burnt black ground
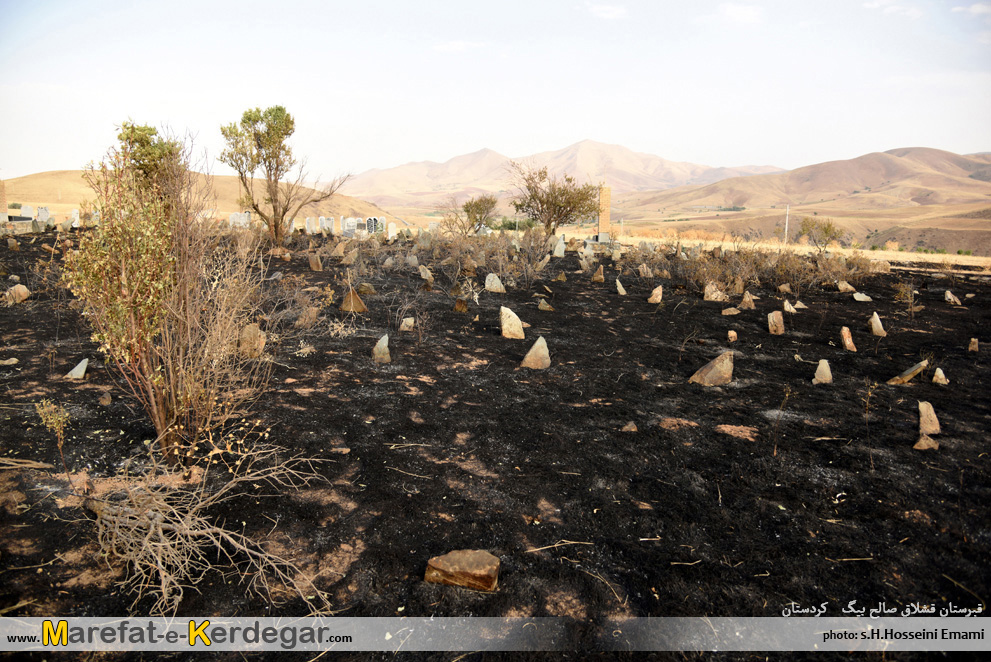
(454, 446)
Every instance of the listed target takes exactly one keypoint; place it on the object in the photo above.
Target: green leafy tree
(259, 146)
(468, 218)
(551, 201)
(820, 232)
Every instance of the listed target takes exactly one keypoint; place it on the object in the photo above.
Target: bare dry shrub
(531, 249)
(797, 270)
(702, 269)
(161, 526)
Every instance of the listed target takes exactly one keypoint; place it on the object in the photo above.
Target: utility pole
(787, 213)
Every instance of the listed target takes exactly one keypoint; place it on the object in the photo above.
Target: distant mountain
(485, 171)
(905, 177)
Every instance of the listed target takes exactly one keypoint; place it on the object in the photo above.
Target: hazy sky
(378, 84)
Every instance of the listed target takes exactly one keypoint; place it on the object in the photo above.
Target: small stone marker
(599, 276)
(412, 261)
(493, 284)
(366, 289)
(949, 297)
(928, 423)
(105, 400)
(788, 308)
(353, 304)
(252, 341)
(731, 335)
(860, 296)
(847, 339)
(543, 305)
(339, 250)
(559, 248)
(620, 289)
(800, 306)
(315, 263)
(845, 287)
(561, 278)
(717, 372)
(972, 347)
(407, 324)
(380, 353)
(471, 568)
(926, 443)
(538, 358)
(823, 374)
(909, 374)
(657, 295)
(776, 323)
(543, 262)
(425, 274)
(785, 288)
(12, 244)
(79, 372)
(18, 293)
(511, 325)
(644, 271)
(307, 318)
(731, 311)
(940, 378)
(629, 427)
(876, 327)
(748, 302)
(713, 293)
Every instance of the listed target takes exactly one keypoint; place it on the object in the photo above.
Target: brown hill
(64, 190)
(427, 183)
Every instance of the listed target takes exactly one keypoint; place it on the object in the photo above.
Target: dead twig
(559, 543)
(601, 579)
(408, 473)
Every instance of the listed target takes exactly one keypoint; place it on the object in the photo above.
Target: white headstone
(433, 226)
(392, 230)
(350, 225)
(326, 224)
(27, 210)
(43, 215)
(312, 225)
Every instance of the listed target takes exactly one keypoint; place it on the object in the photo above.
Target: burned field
(607, 484)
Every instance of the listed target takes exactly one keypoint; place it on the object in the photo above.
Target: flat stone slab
(717, 372)
(476, 569)
(909, 374)
(79, 372)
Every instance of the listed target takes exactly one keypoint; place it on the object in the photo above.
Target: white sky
(378, 84)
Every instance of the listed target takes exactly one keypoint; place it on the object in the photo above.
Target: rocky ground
(607, 485)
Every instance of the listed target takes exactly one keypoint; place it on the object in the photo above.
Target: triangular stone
(599, 276)
(926, 443)
(940, 378)
(823, 374)
(845, 287)
(315, 263)
(785, 288)
(847, 338)
(407, 324)
(350, 258)
(657, 295)
(949, 297)
(543, 305)
(620, 289)
(538, 358)
(425, 274)
(561, 278)
(79, 372)
(338, 250)
(412, 261)
(511, 325)
(800, 306)
(748, 302)
(493, 284)
(876, 328)
(928, 423)
(353, 304)
(860, 296)
(543, 263)
(380, 353)
(788, 308)
(731, 311)
(717, 372)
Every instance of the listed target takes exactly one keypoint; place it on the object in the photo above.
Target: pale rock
(543, 263)
(860, 296)
(731, 335)
(717, 372)
(788, 308)
(380, 353)
(629, 427)
(876, 328)
(252, 341)
(617, 256)
(315, 263)
(969, 296)
(339, 249)
(366, 289)
(909, 374)
(10, 361)
(407, 324)
(105, 399)
(561, 278)
(748, 302)
(559, 248)
(800, 306)
(713, 293)
(425, 274)
(785, 288)
(389, 263)
(17, 294)
(493, 284)
(973, 346)
(847, 339)
(599, 276)
(823, 374)
(776, 323)
(538, 358)
(350, 258)
(620, 289)
(657, 295)
(949, 297)
(543, 305)
(79, 372)
(731, 311)
(307, 318)
(412, 261)
(928, 423)
(471, 568)
(12, 244)
(511, 325)
(845, 287)
(940, 378)
(926, 443)
(644, 271)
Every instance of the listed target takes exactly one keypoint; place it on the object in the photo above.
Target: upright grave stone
(75, 218)
(327, 224)
(605, 197)
(43, 216)
(312, 225)
(27, 210)
(392, 231)
(350, 225)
